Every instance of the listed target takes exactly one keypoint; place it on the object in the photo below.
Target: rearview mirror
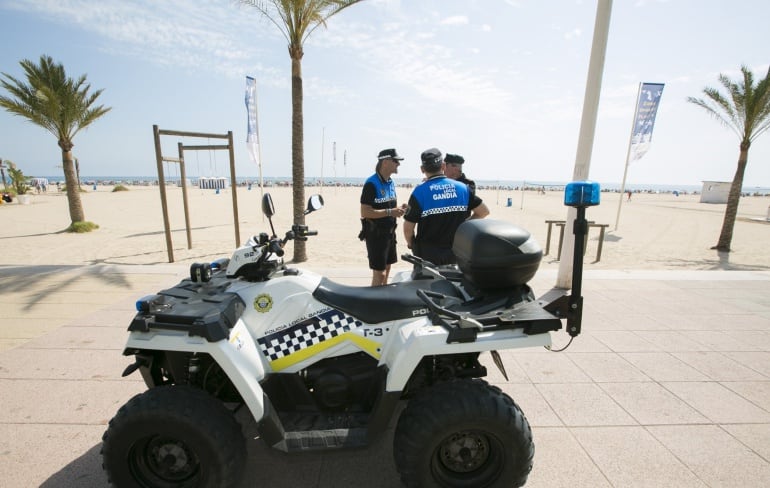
(315, 202)
(267, 205)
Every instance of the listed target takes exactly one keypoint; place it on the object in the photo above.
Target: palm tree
(745, 109)
(297, 19)
(59, 104)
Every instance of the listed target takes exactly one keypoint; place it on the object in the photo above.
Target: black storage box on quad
(496, 254)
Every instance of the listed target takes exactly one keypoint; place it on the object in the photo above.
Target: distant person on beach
(379, 211)
(629, 195)
(454, 169)
(437, 207)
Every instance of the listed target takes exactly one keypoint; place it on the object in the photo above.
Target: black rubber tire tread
(180, 412)
(462, 405)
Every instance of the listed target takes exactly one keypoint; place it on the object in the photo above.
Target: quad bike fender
(238, 357)
(421, 339)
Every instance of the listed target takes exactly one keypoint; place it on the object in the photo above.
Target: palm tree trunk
(733, 199)
(297, 151)
(73, 190)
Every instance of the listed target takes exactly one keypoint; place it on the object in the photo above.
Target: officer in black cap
(379, 211)
(437, 207)
(454, 170)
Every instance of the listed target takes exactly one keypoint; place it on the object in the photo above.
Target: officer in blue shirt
(379, 211)
(436, 209)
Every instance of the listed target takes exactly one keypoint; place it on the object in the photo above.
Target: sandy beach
(655, 231)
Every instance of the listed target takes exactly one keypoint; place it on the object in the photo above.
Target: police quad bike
(322, 365)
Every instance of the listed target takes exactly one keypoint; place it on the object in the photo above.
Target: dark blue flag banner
(644, 119)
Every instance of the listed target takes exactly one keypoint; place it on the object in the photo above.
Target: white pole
(259, 149)
(587, 129)
(628, 156)
(323, 138)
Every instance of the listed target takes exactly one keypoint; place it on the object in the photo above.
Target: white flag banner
(252, 137)
(644, 119)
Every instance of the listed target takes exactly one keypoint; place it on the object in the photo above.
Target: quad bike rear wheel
(173, 436)
(463, 434)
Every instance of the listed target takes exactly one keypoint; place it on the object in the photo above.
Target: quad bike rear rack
(534, 317)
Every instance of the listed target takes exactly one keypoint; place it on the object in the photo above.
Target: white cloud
(455, 20)
(573, 34)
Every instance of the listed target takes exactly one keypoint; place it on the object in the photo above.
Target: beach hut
(715, 191)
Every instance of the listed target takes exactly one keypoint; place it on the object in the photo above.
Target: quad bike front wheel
(463, 434)
(173, 436)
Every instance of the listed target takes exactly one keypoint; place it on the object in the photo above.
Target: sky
(501, 82)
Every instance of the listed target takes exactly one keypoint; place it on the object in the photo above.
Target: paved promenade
(668, 386)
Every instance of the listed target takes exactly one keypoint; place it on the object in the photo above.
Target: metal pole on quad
(579, 195)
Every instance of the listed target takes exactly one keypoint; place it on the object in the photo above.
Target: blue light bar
(581, 194)
(144, 304)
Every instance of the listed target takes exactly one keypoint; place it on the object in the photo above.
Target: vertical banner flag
(252, 137)
(644, 119)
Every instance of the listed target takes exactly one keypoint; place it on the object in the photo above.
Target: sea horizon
(407, 182)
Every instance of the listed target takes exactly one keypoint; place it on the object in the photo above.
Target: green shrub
(119, 188)
(82, 227)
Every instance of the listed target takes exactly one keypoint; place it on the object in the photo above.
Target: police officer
(437, 207)
(379, 210)
(454, 170)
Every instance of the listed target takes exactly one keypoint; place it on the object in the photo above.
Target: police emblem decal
(263, 303)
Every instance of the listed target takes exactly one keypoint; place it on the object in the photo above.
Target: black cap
(431, 159)
(454, 159)
(389, 154)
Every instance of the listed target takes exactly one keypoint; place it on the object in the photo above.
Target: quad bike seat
(375, 304)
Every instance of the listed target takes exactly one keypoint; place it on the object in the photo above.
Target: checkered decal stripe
(310, 332)
(443, 210)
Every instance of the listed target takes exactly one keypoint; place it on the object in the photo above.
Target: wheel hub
(465, 451)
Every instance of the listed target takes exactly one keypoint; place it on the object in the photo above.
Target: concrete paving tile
(757, 392)
(607, 366)
(644, 322)
(584, 404)
(755, 436)
(730, 322)
(26, 329)
(671, 341)
(757, 361)
(662, 366)
(81, 364)
(649, 403)
(756, 339)
(718, 403)
(718, 458)
(747, 304)
(585, 342)
(48, 310)
(372, 466)
(110, 317)
(626, 341)
(69, 337)
(630, 457)
(717, 340)
(70, 456)
(550, 367)
(33, 401)
(532, 403)
(718, 366)
(561, 462)
(10, 343)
